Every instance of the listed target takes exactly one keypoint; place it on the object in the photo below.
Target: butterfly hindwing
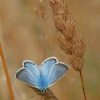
(32, 67)
(48, 64)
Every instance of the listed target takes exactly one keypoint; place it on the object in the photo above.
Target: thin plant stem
(83, 87)
(44, 41)
(42, 15)
(6, 73)
(43, 27)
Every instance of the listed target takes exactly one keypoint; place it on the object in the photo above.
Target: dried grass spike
(76, 62)
(65, 46)
(70, 40)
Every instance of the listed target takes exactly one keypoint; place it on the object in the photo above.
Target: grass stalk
(6, 73)
(83, 87)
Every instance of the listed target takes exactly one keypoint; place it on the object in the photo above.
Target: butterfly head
(43, 90)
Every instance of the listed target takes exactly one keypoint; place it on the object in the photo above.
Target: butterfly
(41, 76)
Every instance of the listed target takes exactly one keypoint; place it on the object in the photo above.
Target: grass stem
(6, 73)
(83, 87)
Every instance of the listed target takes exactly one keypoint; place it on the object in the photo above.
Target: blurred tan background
(21, 35)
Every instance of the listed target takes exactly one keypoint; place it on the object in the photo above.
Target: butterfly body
(42, 82)
(41, 76)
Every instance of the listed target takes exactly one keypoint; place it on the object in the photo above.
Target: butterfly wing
(29, 73)
(58, 70)
(32, 67)
(48, 64)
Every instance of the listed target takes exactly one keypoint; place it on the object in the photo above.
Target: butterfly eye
(43, 90)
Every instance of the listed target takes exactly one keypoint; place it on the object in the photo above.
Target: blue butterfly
(42, 76)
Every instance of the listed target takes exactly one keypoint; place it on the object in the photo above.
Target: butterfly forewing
(57, 72)
(25, 76)
(29, 74)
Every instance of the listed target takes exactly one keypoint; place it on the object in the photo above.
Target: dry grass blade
(6, 73)
(70, 40)
(48, 95)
